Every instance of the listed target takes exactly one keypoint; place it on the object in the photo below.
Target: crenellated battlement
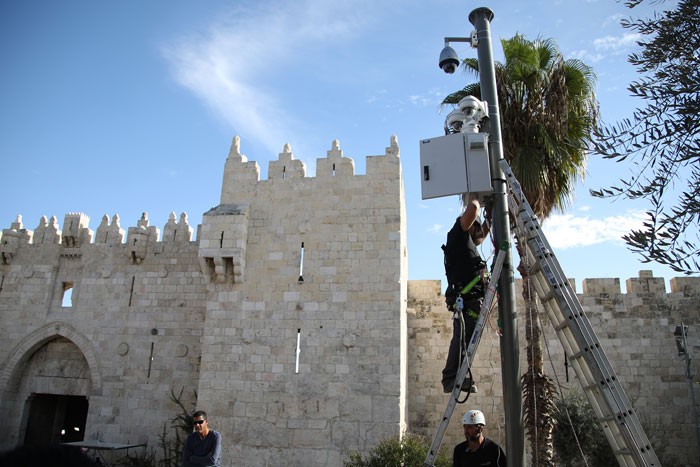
(76, 231)
(643, 285)
(242, 175)
(335, 173)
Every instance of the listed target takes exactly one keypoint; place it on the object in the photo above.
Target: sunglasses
(199, 422)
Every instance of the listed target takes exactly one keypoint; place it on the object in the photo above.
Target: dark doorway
(54, 418)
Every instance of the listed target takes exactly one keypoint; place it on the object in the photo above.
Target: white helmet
(474, 417)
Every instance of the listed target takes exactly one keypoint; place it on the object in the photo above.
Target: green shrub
(595, 446)
(410, 451)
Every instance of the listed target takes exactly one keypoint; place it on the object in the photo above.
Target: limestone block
(646, 284)
(223, 243)
(604, 286)
(177, 232)
(111, 234)
(140, 239)
(334, 165)
(47, 231)
(12, 239)
(286, 166)
(688, 286)
(75, 231)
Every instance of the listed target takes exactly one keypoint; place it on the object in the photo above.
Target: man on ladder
(465, 271)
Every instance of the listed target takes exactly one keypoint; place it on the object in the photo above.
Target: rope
(463, 346)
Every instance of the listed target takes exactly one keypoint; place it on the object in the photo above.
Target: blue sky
(130, 106)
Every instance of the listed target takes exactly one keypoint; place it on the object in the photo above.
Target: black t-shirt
(462, 260)
(489, 454)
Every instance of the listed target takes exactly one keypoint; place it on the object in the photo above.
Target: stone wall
(636, 331)
(136, 324)
(284, 314)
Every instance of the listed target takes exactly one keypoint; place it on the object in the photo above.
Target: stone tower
(304, 336)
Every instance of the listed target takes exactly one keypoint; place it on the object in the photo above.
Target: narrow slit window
(284, 172)
(131, 291)
(67, 297)
(2, 282)
(150, 359)
(301, 263)
(298, 351)
(221, 240)
(333, 169)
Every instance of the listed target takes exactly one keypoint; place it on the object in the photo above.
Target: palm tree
(548, 113)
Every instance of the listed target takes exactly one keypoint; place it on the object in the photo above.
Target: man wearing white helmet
(477, 450)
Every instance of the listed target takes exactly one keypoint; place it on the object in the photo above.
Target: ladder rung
(589, 385)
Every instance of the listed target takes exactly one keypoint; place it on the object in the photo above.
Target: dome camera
(474, 112)
(449, 60)
(454, 121)
(469, 105)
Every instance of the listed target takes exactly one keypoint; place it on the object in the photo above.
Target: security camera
(470, 105)
(474, 111)
(449, 61)
(449, 66)
(454, 121)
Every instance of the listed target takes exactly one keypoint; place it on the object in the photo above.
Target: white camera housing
(469, 116)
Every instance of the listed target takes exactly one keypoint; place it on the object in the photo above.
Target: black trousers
(460, 341)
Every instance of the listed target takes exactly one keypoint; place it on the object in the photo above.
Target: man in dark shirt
(464, 268)
(477, 450)
(203, 447)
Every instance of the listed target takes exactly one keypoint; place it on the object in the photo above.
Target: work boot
(467, 386)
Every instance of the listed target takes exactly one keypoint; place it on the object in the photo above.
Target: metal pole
(510, 360)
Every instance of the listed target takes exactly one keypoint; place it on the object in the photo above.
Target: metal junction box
(455, 164)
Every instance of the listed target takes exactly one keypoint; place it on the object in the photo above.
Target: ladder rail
(484, 312)
(598, 368)
(584, 345)
(601, 386)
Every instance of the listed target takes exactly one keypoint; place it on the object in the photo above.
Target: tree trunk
(538, 389)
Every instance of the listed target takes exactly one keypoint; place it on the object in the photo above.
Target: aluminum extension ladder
(467, 359)
(598, 380)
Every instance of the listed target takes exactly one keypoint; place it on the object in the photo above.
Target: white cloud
(431, 97)
(569, 231)
(603, 47)
(617, 44)
(613, 19)
(436, 228)
(586, 56)
(227, 66)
